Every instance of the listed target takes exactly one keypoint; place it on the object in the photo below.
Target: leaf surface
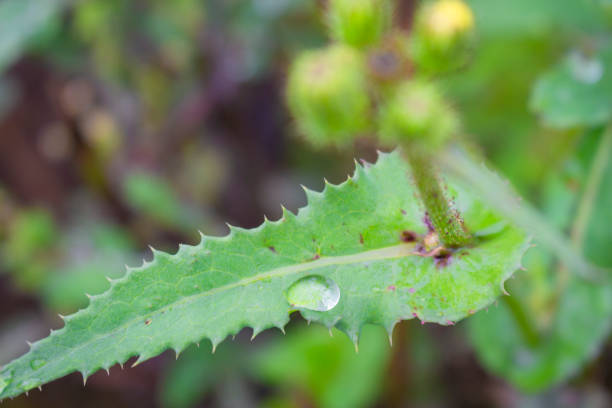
(352, 235)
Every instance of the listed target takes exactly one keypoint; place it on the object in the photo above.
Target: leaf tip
(135, 363)
(84, 374)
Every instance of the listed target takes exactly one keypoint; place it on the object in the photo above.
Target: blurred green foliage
(327, 369)
(199, 372)
(151, 197)
(557, 321)
(23, 24)
(62, 267)
(578, 92)
(29, 245)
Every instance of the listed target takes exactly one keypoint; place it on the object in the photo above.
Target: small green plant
(403, 238)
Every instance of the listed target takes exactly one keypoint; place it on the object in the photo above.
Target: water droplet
(36, 364)
(585, 69)
(29, 384)
(314, 292)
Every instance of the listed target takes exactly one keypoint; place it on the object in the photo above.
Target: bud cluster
(375, 78)
(328, 95)
(416, 110)
(442, 36)
(359, 23)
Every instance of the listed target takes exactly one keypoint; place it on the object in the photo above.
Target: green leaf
(29, 247)
(198, 372)
(20, 21)
(580, 320)
(526, 17)
(578, 92)
(326, 368)
(352, 234)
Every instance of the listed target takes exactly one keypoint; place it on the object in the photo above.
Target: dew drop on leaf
(314, 292)
(585, 69)
(36, 364)
(29, 384)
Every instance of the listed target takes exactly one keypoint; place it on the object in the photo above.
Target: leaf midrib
(391, 252)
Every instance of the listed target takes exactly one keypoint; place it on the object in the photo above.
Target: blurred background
(125, 123)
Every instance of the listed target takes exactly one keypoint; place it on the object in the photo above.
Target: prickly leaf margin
(366, 235)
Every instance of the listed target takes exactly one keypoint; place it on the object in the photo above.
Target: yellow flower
(447, 18)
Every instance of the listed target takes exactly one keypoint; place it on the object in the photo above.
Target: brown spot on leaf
(148, 322)
(361, 238)
(442, 258)
(271, 248)
(408, 236)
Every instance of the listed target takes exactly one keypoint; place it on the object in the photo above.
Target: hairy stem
(446, 221)
(501, 196)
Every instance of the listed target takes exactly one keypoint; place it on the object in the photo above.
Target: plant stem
(446, 221)
(591, 188)
(503, 198)
(524, 322)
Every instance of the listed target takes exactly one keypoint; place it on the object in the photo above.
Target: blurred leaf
(92, 254)
(152, 197)
(32, 230)
(581, 311)
(504, 126)
(197, 372)
(519, 17)
(28, 250)
(348, 245)
(61, 267)
(20, 21)
(578, 92)
(64, 290)
(325, 368)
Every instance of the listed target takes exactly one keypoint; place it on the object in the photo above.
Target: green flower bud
(443, 35)
(359, 23)
(328, 96)
(417, 111)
